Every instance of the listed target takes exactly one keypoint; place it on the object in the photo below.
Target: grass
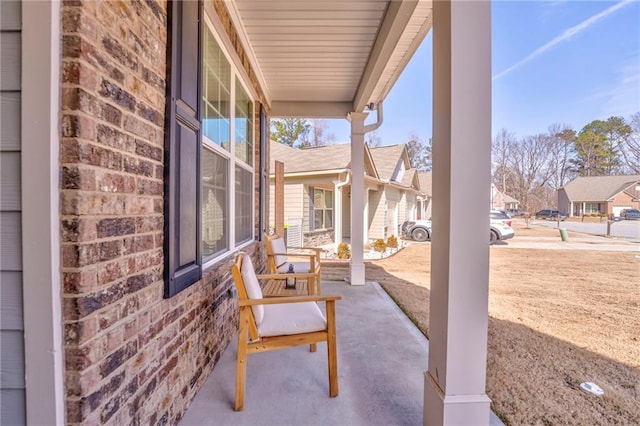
(557, 318)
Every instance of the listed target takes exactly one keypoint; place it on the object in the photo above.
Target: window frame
(209, 24)
(312, 219)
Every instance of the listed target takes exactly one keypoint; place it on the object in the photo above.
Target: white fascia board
(395, 21)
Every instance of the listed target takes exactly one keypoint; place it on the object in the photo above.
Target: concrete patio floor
(382, 358)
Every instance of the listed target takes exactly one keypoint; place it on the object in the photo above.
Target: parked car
(549, 214)
(420, 230)
(501, 216)
(630, 214)
(500, 231)
(417, 230)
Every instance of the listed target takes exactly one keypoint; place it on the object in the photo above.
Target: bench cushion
(291, 318)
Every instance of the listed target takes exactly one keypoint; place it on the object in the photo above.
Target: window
(322, 208)
(227, 147)
(209, 176)
(592, 207)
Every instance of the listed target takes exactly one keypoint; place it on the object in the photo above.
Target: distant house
(599, 194)
(317, 190)
(423, 206)
(502, 201)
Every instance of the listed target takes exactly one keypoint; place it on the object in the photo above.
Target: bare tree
(372, 139)
(630, 146)
(560, 141)
(316, 135)
(502, 150)
(529, 166)
(419, 153)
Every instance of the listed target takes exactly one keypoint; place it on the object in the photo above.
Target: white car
(500, 231)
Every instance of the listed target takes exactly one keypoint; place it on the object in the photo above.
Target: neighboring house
(134, 166)
(502, 201)
(317, 191)
(396, 201)
(423, 205)
(599, 194)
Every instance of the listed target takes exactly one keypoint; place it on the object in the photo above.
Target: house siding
(377, 214)
(131, 356)
(12, 362)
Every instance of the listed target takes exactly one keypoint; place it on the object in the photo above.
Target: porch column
(365, 218)
(456, 376)
(356, 264)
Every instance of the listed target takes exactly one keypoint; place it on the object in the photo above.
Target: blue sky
(563, 61)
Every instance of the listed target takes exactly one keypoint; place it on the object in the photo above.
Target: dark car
(549, 214)
(630, 214)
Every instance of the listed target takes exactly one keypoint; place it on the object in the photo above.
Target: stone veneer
(131, 356)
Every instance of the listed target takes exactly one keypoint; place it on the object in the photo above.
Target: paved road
(629, 229)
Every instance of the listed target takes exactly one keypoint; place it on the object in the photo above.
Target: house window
(227, 154)
(322, 208)
(591, 208)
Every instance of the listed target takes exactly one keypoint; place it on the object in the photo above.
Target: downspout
(371, 127)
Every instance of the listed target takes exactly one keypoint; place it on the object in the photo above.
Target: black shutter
(182, 264)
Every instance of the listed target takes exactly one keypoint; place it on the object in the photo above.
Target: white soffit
(319, 58)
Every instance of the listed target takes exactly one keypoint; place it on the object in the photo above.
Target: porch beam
(282, 109)
(356, 264)
(456, 377)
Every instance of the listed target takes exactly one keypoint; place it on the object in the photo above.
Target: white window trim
(313, 208)
(237, 75)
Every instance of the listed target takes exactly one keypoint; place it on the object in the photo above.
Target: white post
(456, 376)
(365, 218)
(357, 197)
(42, 283)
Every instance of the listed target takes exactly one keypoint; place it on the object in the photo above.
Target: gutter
(371, 127)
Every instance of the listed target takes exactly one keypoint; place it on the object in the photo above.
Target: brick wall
(132, 357)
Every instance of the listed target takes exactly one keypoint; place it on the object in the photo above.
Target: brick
(153, 79)
(139, 206)
(112, 137)
(112, 271)
(81, 306)
(82, 203)
(118, 358)
(150, 114)
(138, 243)
(116, 226)
(145, 149)
(79, 281)
(138, 166)
(150, 187)
(74, 177)
(116, 94)
(139, 128)
(149, 224)
(115, 49)
(73, 126)
(78, 332)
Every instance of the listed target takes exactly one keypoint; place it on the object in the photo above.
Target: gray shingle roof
(329, 157)
(598, 188)
(386, 159)
(425, 182)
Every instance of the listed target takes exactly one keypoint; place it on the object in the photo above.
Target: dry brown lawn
(557, 318)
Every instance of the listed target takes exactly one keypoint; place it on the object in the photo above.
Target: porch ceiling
(319, 58)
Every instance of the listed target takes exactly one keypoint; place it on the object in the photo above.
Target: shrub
(392, 242)
(379, 245)
(344, 252)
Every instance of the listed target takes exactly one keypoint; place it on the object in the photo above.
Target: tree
(288, 131)
(315, 136)
(529, 165)
(501, 152)
(561, 139)
(372, 139)
(595, 152)
(419, 153)
(631, 147)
